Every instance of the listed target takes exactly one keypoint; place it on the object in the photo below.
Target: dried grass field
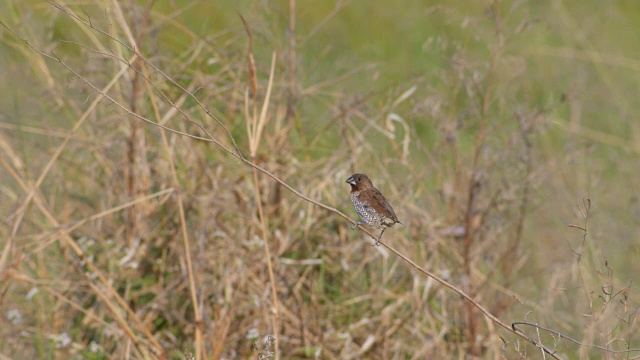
(172, 179)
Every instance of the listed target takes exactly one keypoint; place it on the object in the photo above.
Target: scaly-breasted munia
(370, 204)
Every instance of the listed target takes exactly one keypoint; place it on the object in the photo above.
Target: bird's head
(359, 182)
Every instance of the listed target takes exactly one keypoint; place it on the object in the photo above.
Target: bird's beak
(351, 181)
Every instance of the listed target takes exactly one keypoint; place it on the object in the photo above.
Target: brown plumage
(370, 204)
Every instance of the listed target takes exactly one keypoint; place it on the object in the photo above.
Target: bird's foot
(356, 224)
(379, 237)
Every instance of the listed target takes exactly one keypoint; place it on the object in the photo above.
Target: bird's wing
(381, 205)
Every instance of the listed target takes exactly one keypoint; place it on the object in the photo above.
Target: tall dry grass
(140, 223)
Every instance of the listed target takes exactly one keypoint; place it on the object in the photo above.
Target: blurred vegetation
(487, 125)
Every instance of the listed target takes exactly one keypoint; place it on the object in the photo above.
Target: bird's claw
(379, 237)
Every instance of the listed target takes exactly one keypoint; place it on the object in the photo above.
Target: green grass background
(574, 63)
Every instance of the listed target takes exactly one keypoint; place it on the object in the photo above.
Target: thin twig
(136, 52)
(561, 335)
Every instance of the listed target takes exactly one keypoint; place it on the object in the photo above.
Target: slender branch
(561, 335)
(96, 89)
(136, 52)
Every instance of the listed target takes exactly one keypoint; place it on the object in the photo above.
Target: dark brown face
(359, 181)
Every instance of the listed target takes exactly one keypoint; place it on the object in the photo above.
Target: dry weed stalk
(255, 126)
(138, 176)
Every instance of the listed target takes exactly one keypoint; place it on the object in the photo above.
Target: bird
(372, 207)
